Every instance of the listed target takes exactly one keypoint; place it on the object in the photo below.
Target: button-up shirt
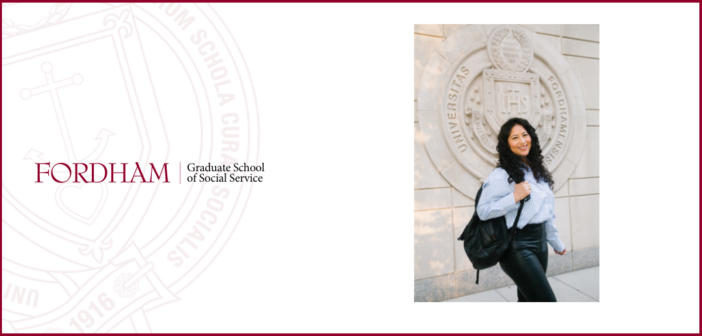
(497, 199)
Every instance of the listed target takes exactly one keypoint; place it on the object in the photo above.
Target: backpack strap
(513, 229)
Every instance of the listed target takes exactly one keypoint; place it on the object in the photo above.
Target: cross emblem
(513, 101)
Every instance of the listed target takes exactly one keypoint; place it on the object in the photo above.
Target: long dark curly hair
(512, 163)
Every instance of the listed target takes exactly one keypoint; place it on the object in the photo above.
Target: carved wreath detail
(56, 13)
(526, 49)
(497, 52)
(495, 48)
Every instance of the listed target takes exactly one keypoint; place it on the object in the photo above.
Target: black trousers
(526, 261)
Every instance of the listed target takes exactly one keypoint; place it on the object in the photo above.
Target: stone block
(593, 117)
(578, 134)
(431, 136)
(430, 29)
(586, 186)
(529, 33)
(435, 289)
(550, 54)
(423, 47)
(551, 29)
(433, 243)
(555, 41)
(586, 258)
(459, 178)
(461, 217)
(416, 117)
(428, 199)
(589, 163)
(562, 224)
(588, 73)
(460, 200)
(558, 264)
(491, 278)
(580, 48)
(563, 192)
(431, 75)
(585, 221)
(561, 175)
(451, 28)
(576, 96)
(461, 41)
(425, 173)
(590, 32)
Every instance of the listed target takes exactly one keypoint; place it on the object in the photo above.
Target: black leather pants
(526, 261)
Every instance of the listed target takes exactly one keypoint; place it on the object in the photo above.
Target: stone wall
(444, 190)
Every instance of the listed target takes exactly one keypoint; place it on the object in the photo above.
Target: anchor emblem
(51, 87)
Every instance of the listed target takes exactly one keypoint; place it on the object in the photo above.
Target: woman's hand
(561, 253)
(521, 191)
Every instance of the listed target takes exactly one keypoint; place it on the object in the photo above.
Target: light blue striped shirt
(497, 199)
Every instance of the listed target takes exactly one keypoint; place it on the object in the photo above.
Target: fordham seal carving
(476, 80)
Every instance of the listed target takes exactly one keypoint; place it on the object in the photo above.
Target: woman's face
(519, 141)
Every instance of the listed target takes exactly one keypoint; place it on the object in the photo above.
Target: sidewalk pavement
(578, 286)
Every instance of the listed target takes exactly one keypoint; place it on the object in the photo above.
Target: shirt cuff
(557, 245)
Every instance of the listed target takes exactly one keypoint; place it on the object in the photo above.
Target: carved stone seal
(476, 80)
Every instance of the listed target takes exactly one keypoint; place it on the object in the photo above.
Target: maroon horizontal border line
(374, 334)
(386, 1)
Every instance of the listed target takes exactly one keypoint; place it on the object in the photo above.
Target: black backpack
(486, 241)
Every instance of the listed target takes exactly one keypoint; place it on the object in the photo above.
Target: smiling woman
(522, 175)
(520, 142)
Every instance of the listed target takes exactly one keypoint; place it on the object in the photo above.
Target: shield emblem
(510, 94)
(82, 84)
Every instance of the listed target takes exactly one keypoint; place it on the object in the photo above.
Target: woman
(520, 173)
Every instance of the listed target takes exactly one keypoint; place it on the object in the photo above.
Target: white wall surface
(326, 244)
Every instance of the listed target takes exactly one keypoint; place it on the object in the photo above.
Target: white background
(326, 242)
